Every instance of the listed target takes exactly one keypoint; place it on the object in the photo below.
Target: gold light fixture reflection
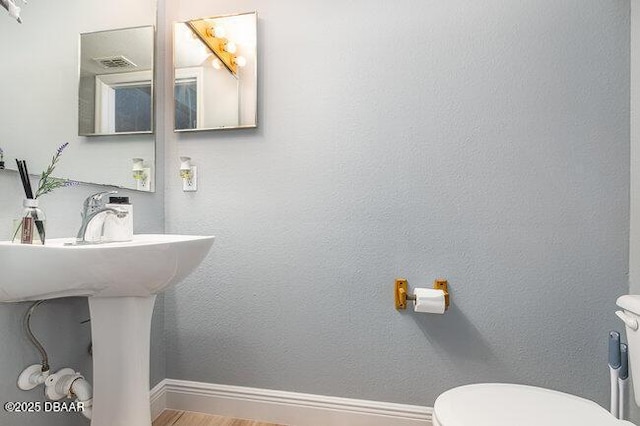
(215, 62)
(214, 38)
(219, 31)
(241, 61)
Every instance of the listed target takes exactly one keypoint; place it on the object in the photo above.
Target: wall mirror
(40, 77)
(116, 82)
(215, 61)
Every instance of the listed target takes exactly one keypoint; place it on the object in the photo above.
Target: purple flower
(47, 182)
(62, 147)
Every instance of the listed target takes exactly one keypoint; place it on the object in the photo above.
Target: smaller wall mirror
(116, 82)
(215, 62)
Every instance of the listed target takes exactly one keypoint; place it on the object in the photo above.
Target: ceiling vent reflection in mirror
(115, 62)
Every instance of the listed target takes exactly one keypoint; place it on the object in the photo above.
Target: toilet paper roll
(429, 300)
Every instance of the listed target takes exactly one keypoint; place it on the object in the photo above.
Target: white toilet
(499, 404)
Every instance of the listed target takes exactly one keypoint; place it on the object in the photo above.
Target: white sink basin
(121, 281)
(145, 266)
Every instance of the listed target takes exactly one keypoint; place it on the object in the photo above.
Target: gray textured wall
(485, 142)
(634, 237)
(57, 323)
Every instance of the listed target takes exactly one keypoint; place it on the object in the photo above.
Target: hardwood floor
(185, 418)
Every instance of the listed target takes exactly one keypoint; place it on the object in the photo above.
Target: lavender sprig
(47, 182)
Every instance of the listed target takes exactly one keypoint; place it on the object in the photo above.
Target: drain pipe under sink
(65, 383)
(68, 383)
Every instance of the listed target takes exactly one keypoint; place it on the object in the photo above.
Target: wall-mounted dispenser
(142, 175)
(427, 300)
(189, 175)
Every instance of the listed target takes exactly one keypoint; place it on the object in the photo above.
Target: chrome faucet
(94, 208)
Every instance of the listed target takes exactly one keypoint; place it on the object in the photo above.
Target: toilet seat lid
(496, 404)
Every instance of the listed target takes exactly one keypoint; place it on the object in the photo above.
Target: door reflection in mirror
(186, 91)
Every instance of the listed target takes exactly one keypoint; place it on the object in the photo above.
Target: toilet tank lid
(630, 302)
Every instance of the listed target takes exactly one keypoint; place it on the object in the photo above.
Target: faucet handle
(95, 200)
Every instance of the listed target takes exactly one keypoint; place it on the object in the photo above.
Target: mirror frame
(255, 76)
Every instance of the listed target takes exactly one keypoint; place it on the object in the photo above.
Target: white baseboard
(289, 408)
(158, 399)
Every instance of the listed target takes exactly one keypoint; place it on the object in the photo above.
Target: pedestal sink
(121, 281)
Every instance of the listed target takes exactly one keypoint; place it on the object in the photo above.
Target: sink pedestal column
(121, 334)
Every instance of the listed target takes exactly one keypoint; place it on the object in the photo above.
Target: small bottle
(118, 229)
(30, 227)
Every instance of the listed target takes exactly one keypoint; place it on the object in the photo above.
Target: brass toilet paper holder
(402, 295)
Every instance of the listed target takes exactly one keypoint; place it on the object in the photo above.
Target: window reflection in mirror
(216, 73)
(116, 82)
(186, 91)
(132, 108)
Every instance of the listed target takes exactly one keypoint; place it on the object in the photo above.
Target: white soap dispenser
(119, 229)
